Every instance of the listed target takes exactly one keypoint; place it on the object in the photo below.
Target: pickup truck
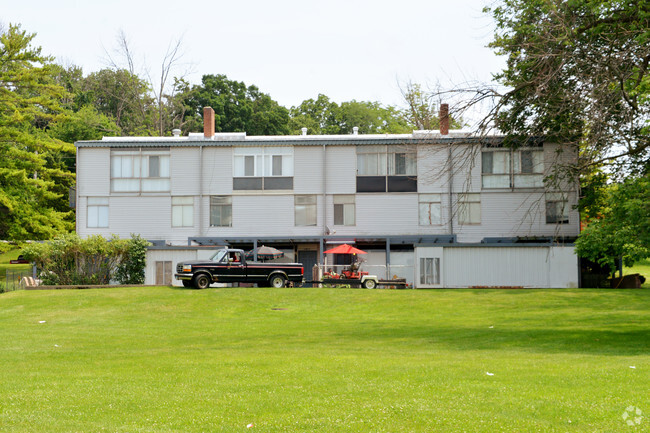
(230, 266)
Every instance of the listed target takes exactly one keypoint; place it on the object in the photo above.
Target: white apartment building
(387, 194)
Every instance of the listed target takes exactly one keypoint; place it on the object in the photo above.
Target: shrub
(70, 260)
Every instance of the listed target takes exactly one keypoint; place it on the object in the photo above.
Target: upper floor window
(140, 170)
(260, 168)
(507, 168)
(386, 168)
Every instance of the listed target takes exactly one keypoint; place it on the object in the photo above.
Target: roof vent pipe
(176, 132)
(304, 131)
(444, 119)
(355, 130)
(208, 122)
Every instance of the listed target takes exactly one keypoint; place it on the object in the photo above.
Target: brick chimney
(444, 119)
(208, 122)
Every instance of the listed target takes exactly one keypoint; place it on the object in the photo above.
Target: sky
(291, 49)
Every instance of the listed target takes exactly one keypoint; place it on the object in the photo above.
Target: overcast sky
(290, 49)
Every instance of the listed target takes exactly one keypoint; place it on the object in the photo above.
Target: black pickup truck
(230, 266)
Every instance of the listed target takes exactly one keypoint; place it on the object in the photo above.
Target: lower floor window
(182, 211)
(429, 209)
(305, 210)
(97, 212)
(221, 211)
(429, 270)
(344, 210)
(557, 208)
(469, 208)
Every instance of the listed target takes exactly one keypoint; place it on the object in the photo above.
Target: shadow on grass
(544, 340)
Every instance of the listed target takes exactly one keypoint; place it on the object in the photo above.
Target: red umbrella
(344, 249)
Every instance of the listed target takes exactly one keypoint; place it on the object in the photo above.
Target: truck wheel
(369, 284)
(276, 281)
(201, 281)
(187, 283)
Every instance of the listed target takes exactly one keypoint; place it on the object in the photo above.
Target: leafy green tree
(322, 116)
(622, 230)
(422, 110)
(577, 73)
(34, 175)
(237, 108)
(123, 97)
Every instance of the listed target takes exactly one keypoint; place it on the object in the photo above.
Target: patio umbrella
(344, 249)
(265, 253)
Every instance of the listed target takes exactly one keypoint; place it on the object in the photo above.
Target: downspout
(443, 117)
(324, 180)
(201, 233)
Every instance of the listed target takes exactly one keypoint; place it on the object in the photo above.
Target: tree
(622, 230)
(124, 97)
(576, 73)
(237, 107)
(422, 109)
(34, 175)
(322, 116)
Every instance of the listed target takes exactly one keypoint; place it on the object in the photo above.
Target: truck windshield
(216, 257)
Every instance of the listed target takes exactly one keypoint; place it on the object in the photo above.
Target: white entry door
(429, 267)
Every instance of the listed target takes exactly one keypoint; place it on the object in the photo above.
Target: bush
(131, 268)
(70, 260)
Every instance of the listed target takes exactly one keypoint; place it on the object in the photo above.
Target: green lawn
(323, 360)
(4, 265)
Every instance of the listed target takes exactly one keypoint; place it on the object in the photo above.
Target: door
(308, 260)
(163, 273)
(429, 271)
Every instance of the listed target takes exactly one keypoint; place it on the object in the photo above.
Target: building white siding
(217, 171)
(308, 170)
(93, 172)
(504, 266)
(341, 168)
(185, 170)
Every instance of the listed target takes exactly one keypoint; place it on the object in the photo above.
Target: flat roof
(229, 139)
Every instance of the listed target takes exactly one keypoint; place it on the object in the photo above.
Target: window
(496, 169)
(344, 210)
(522, 168)
(140, 170)
(221, 211)
(429, 270)
(97, 212)
(557, 208)
(529, 168)
(305, 210)
(371, 161)
(402, 161)
(430, 209)
(182, 211)
(386, 169)
(263, 168)
(469, 208)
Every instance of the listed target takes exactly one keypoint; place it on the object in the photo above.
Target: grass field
(323, 360)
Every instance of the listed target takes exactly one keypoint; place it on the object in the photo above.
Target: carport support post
(254, 250)
(388, 273)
